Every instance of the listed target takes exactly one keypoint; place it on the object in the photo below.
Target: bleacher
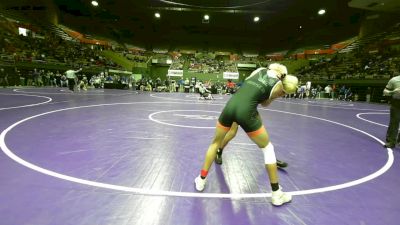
(59, 32)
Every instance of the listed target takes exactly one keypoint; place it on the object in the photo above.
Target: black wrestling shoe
(389, 145)
(281, 164)
(218, 159)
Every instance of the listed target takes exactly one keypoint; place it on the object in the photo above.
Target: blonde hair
(281, 69)
(290, 84)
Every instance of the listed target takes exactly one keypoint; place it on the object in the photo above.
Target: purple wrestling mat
(122, 157)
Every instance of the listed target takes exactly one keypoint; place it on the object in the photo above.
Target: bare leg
(212, 149)
(279, 197)
(230, 135)
(200, 181)
(262, 140)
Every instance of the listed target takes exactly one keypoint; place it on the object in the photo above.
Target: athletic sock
(203, 174)
(275, 186)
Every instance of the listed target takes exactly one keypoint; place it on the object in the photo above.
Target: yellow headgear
(290, 84)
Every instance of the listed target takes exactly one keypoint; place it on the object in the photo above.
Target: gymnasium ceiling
(283, 25)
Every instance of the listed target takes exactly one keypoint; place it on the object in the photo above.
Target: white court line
(173, 99)
(143, 191)
(331, 103)
(239, 143)
(70, 152)
(176, 125)
(67, 92)
(369, 121)
(147, 138)
(192, 99)
(23, 106)
(330, 106)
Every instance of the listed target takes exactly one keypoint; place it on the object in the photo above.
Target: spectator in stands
(133, 82)
(172, 85)
(181, 84)
(230, 87)
(301, 91)
(158, 84)
(19, 76)
(328, 91)
(368, 94)
(39, 78)
(308, 89)
(392, 90)
(342, 92)
(149, 86)
(167, 83)
(348, 95)
(35, 74)
(187, 85)
(63, 81)
(314, 92)
(3, 77)
(57, 78)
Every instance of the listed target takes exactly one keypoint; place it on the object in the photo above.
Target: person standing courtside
(72, 78)
(392, 89)
(3, 77)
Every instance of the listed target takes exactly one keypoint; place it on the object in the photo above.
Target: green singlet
(242, 107)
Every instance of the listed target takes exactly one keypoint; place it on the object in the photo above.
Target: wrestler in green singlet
(242, 107)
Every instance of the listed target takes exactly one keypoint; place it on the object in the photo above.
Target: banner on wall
(136, 76)
(231, 75)
(119, 72)
(175, 73)
(246, 65)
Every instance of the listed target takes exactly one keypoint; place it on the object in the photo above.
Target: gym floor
(119, 157)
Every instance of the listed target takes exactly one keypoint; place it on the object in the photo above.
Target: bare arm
(77, 71)
(277, 92)
(387, 92)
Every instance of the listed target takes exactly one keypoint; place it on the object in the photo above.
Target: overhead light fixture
(256, 19)
(95, 3)
(206, 17)
(301, 27)
(157, 15)
(321, 11)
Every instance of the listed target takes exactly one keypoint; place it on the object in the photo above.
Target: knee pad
(269, 154)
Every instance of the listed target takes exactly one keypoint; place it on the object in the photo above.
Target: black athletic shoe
(281, 164)
(389, 145)
(218, 159)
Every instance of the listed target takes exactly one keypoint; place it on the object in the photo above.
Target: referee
(72, 78)
(392, 89)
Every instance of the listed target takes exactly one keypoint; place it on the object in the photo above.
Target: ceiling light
(157, 15)
(206, 17)
(300, 27)
(321, 12)
(256, 19)
(95, 3)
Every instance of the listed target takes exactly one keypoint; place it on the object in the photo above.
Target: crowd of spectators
(354, 65)
(177, 64)
(135, 56)
(42, 47)
(205, 65)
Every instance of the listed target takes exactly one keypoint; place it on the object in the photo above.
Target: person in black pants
(392, 89)
(72, 78)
